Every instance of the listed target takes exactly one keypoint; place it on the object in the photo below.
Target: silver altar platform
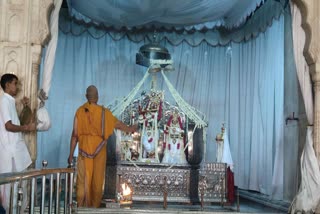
(159, 182)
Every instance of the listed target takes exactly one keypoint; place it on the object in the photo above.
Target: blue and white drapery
(245, 91)
(260, 21)
(178, 14)
(43, 118)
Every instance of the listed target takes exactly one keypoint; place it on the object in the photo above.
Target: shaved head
(92, 94)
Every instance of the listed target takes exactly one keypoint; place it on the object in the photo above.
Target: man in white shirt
(14, 155)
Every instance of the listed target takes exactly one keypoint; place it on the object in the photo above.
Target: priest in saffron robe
(92, 126)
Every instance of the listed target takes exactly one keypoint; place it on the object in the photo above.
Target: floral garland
(121, 106)
(184, 106)
(161, 61)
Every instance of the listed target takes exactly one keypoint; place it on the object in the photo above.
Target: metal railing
(49, 198)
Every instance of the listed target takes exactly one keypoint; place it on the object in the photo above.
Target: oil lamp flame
(125, 189)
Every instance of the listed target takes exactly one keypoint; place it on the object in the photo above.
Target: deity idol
(220, 144)
(174, 138)
(150, 113)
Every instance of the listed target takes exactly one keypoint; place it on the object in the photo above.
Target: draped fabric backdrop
(308, 198)
(241, 84)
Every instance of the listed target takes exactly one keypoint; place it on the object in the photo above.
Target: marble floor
(246, 206)
(249, 202)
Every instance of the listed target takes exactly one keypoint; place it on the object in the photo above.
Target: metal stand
(165, 193)
(222, 190)
(202, 186)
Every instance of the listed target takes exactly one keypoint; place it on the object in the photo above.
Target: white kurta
(14, 154)
(12, 145)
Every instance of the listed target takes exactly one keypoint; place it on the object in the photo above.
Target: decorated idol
(150, 112)
(174, 139)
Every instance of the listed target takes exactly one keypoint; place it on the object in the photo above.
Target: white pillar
(23, 31)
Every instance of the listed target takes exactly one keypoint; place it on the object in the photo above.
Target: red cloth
(230, 177)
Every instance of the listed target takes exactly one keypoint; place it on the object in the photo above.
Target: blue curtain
(241, 84)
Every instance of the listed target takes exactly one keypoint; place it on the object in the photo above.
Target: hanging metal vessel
(152, 52)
